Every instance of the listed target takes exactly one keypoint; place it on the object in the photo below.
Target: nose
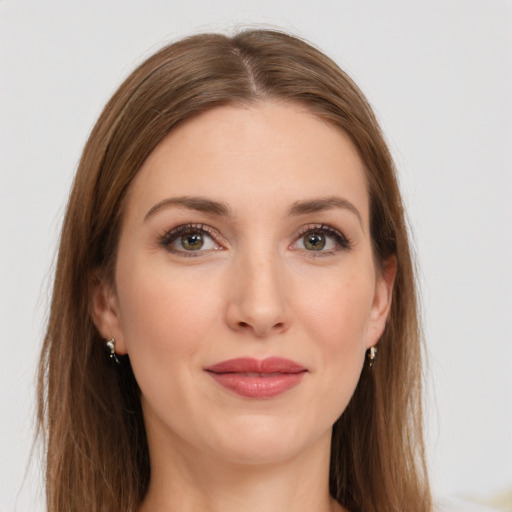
(257, 296)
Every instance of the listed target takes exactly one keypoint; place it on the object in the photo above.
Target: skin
(254, 289)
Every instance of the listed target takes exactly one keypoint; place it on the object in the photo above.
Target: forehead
(269, 153)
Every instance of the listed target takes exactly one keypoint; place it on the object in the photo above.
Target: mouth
(257, 378)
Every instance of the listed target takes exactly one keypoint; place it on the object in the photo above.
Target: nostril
(245, 325)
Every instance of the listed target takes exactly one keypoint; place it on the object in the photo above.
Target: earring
(112, 350)
(372, 356)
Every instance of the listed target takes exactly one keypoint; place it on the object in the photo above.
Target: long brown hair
(89, 410)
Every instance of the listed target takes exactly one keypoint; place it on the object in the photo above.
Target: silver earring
(112, 349)
(372, 356)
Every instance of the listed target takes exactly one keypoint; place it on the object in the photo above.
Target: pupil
(315, 242)
(192, 241)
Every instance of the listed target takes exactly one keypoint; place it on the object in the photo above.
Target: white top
(459, 505)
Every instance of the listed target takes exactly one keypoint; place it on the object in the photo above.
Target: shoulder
(459, 505)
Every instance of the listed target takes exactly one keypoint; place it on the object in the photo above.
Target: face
(245, 289)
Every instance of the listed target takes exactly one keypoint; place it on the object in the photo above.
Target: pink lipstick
(257, 378)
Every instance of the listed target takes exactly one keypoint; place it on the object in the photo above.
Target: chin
(265, 441)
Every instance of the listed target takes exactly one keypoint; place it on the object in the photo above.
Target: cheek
(164, 312)
(337, 311)
(337, 321)
(165, 321)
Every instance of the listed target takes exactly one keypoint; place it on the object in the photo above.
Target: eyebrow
(202, 204)
(323, 204)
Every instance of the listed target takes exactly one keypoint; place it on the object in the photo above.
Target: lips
(257, 378)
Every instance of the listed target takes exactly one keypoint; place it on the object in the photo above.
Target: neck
(189, 481)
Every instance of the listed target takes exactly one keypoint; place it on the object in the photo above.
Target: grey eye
(314, 241)
(192, 241)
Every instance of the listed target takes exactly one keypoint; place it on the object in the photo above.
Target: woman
(234, 251)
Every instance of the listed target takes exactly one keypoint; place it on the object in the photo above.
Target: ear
(381, 306)
(104, 310)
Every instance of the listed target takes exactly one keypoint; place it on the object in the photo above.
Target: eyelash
(170, 236)
(342, 242)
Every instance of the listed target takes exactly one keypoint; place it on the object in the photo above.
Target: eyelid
(342, 241)
(171, 235)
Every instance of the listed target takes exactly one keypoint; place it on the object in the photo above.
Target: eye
(315, 241)
(189, 238)
(321, 239)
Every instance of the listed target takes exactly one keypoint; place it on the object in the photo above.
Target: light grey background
(439, 74)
